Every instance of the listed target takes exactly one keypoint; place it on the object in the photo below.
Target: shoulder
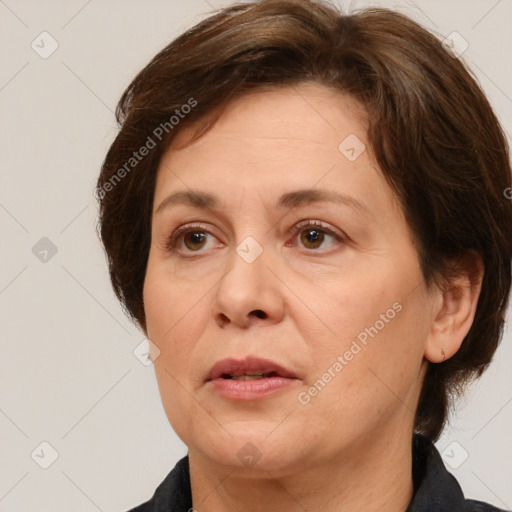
(173, 493)
(436, 489)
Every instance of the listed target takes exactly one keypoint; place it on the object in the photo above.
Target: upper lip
(233, 366)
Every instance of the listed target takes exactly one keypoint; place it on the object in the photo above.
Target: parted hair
(431, 130)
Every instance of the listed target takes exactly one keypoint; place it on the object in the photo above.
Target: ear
(454, 309)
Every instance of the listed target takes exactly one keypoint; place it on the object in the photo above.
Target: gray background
(69, 376)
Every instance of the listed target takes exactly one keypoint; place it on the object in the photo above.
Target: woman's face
(304, 258)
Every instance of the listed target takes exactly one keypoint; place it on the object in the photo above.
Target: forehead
(280, 112)
(271, 142)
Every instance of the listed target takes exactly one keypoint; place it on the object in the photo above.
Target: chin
(250, 447)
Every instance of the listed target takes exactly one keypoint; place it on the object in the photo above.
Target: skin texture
(348, 448)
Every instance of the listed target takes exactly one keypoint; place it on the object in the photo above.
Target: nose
(248, 294)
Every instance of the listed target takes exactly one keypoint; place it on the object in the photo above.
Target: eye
(314, 233)
(194, 238)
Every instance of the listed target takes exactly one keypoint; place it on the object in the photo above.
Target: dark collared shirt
(435, 490)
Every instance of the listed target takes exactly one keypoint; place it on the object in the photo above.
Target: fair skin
(349, 448)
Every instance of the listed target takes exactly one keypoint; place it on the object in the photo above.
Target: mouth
(250, 368)
(250, 375)
(251, 379)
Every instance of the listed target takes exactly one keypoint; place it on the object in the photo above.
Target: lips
(229, 368)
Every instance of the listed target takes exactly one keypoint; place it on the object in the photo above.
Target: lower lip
(250, 389)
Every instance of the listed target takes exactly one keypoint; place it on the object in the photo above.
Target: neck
(373, 476)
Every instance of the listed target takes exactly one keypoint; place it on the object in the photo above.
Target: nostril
(224, 318)
(260, 314)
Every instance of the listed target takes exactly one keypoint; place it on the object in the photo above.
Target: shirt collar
(435, 490)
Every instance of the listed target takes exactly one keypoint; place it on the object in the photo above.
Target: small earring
(443, 355)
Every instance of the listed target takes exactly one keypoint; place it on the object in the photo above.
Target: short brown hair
(431, 130)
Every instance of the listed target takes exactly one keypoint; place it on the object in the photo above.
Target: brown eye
(188, 239)
(312, 238)
(316, 236)
(194, 240)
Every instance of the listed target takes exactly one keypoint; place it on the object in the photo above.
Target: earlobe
(454, 312)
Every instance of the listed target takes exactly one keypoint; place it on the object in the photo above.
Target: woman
(306, 214)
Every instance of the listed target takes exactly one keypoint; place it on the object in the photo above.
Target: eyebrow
(206, 201)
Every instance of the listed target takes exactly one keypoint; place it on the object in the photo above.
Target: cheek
(364, 379)
(173, 316)
(347, 308)
(176, 316)
(366, 329)
(169, 302)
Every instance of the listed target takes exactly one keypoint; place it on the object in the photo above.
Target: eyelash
(171, 242)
